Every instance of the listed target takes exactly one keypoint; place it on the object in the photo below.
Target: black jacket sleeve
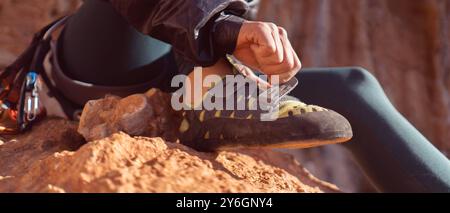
(201, 31)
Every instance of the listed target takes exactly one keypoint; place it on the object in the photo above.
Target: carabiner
(31, 97)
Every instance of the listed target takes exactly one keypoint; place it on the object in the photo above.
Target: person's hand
(266, 47)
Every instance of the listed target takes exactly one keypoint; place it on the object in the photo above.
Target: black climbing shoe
(293, 125)
(298, 126)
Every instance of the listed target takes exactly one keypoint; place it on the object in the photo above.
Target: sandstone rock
(19, 20)
(54, 158)
(139, 115)
(404, 43)
(6, 58)
(101, 118)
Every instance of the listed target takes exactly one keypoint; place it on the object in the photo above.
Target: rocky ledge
(128, 151)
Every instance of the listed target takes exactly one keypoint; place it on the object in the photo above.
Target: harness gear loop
(19, 84)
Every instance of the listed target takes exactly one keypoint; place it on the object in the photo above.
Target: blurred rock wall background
(404, 43)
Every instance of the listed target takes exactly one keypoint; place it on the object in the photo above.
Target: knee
(340, 80)
(360, 74)
(356, 76)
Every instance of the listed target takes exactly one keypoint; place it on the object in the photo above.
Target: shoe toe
(324, 125)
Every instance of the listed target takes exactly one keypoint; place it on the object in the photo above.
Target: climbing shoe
(293, 125)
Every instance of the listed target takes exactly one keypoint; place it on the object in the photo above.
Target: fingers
(292, 61)
(288, 51)
(247, 56)
(279, 53)
(292, 72)
(291, 64)
(267, 47)
(264, 44)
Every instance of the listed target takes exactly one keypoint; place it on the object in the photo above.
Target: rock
(101, 118)
(139, 115)
(6, 58)
(54, 158)
(404, 43)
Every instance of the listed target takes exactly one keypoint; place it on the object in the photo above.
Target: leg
(393, 154)
(98, 46)
(227, 118)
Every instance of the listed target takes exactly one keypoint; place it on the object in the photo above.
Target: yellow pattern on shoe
(297, 125)
(292, 108)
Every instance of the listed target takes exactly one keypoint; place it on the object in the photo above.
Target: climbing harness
(20, 83)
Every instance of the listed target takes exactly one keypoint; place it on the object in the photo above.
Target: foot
(296, 125)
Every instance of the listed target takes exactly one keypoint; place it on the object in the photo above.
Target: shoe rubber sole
(325, 139)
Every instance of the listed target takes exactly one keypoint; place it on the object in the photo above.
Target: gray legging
(393, 154)
(99, 47)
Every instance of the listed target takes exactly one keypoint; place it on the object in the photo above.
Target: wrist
(226, 32)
